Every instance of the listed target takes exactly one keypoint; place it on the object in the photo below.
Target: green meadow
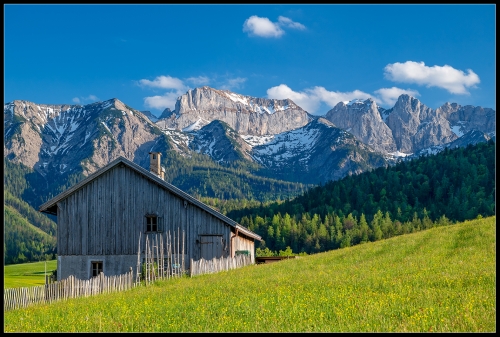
(27, 274)
(438, 280)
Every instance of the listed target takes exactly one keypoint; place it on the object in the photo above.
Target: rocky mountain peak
(167, 113)
(363, 119)
(416, 126)
(409, 107)
(447, 108)
(245, 114)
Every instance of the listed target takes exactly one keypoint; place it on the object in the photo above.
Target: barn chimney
(154, 164)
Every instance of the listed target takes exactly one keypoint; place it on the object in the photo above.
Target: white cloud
(167, 100)
(82, 100)
(312, 98)
(175, 87)
(164, 82)
(302, 99)
(446, 77)
(286, 22)
(332, 98)
(263, 27)
(390, 96)
(233, 83)
(198, 81)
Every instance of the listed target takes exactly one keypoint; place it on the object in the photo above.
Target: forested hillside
(28, 235)
(454, 185)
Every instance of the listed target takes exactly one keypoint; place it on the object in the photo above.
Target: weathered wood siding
(243, 242)
(106, 216)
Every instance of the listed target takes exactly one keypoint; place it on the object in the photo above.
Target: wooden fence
(71, 287)
(163, 257)
(203, 266)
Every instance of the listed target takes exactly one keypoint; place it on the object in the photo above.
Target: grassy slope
(442, 279)
(26, 274)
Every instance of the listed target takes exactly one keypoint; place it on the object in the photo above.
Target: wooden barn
(103, 221)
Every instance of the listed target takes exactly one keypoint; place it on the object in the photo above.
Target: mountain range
(267, 138)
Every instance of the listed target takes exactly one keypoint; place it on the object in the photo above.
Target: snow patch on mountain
(262, 109)
(208, 146)
(107, 104)
(181, 140)
(354, 101)
(431, 150)
(87, 135)
(196, 125)
(106, 126)
(287, 145)
(458, 128)
(257, 140)
(399, 154)
(237, 98)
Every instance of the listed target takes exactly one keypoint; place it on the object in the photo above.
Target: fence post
(101, 282)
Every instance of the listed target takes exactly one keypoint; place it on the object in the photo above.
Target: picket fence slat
(15, 298)
(214, 265)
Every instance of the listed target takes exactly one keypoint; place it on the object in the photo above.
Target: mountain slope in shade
(315, 153)
(219, 141)
(472, 137)
(244, 114)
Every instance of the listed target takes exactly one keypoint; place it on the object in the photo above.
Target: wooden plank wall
(243, 242)
(106, 216)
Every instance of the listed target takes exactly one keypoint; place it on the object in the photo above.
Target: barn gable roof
(51, 205)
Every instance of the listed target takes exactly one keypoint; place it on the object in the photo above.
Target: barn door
(211, 246)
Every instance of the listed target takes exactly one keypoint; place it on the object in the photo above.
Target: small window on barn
(96, 268)
(153, 223)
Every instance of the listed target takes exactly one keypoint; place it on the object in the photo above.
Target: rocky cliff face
(66, 138)
(364, 120)
(24, 123)
(409, 126)
(466, 118)
(245, 114)
(415, 126)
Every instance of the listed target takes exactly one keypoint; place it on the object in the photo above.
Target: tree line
(451, 186)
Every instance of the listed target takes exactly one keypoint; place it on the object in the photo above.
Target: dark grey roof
(50, 206)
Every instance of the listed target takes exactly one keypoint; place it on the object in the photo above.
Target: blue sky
(316, 55)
